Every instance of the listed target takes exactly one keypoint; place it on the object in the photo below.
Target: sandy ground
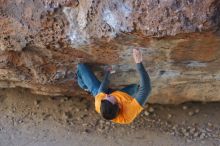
(33, 120)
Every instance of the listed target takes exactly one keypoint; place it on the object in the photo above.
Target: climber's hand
(137, 55)
(108, 68)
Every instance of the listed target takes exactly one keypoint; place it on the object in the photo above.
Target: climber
(120, 106)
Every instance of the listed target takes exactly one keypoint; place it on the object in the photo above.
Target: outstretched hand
(137, 55)
(109, 68)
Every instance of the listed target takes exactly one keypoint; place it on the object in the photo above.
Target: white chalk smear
(76, 36)
(113, 17)
(196, 64)
(170, 74)
(110, 18)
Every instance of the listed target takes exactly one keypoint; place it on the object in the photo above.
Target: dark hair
(108, 110)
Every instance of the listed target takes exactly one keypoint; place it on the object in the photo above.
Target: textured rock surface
(41, 42)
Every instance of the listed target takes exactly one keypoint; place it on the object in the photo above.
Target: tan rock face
(41, 42)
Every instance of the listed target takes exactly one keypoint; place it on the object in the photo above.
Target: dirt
(33, 120)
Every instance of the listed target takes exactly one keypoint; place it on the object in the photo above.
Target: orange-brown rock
(41, 41)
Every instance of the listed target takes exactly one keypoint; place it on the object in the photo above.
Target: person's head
(109, 107)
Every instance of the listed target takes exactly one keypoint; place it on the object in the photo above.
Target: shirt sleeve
(145, 86)
(105, 83)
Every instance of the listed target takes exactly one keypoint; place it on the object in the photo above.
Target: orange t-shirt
(129, 107)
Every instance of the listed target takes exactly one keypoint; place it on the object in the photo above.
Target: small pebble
(146, 113)
(84, 124)
(209, 124)
(192, 130)
(151, 110)
(77, 109)
(36, 102)
(101, 121)
(20, 121)
(169, 116)
(196, 134)
(208, 129)
(190, 113)
(186, 134)
(197, 111)
(202, 136)
(185, 107)
(183, 130)
(174, 127)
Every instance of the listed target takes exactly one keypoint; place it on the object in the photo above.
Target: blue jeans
(87, 80)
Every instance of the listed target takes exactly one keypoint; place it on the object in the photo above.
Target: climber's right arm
(145, 86)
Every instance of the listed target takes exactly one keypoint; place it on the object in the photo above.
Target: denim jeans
(88, 81)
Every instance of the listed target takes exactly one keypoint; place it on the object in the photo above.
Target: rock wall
(41, 41)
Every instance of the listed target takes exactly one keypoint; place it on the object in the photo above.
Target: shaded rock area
(41, 42)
